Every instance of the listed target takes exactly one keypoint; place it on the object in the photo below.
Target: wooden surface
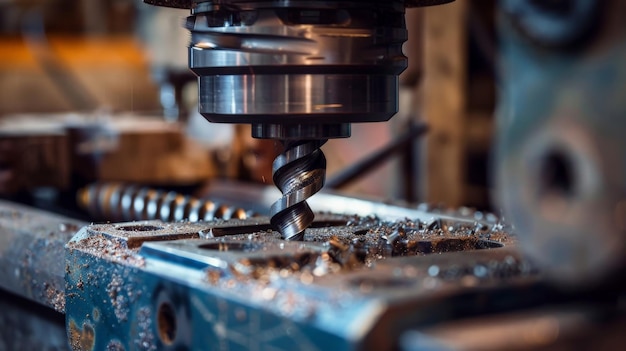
(109, 72)
(445, 72)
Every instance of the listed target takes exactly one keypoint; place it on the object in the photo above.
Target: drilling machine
(299, 72)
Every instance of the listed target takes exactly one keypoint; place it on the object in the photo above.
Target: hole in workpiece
(556, 175)
(139, 228)
(166, 322)
(235, 230)
(232, 246)
(328, 223)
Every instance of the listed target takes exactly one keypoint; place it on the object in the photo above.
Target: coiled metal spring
(120, 202)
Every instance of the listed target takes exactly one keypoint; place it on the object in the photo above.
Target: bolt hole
(166, 320)
(557, 175)
(139, 228)
(232, 246)
(554, 7)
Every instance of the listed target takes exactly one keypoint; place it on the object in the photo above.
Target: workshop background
(124, 65)
(128, 222)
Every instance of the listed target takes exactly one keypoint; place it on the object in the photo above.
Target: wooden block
(444, 101)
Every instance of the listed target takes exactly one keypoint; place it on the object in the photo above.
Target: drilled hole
(556, 175)
(166, 321)
(139, 228)
(244, 229)
(559, 8)
(233, 246)
(328, 223)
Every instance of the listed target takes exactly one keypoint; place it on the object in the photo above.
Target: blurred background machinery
(99, 124)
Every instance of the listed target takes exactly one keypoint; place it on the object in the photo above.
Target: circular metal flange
(560, 174)
(312, 69)
(188, 4)
(285, 131)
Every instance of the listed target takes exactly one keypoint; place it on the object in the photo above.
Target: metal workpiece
(31, 253)
(117, 202)
(353, 283)
(299, 172)
(562, 328)
(560, 151)
(25, 325)
(261, 197)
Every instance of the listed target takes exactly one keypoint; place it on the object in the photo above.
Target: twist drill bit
(299, 172)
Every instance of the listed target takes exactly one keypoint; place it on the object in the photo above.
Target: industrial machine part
(561, 167)
(353, 283)
(115, 202)
(300, 72)
(148, 285)
(244, 287)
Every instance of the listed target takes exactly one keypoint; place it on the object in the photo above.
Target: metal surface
(124, 202)
(353, 283)
(299, 172)
(25, 325)
(585, 326)
(260, 197)
(31, 250)
(303, 64)
(560, 153)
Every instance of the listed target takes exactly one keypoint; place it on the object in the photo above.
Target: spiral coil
(119, 202)
(299, 173)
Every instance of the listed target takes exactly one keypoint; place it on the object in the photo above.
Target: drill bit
(299, 172)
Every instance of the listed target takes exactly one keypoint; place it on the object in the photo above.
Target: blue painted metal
(236, 286)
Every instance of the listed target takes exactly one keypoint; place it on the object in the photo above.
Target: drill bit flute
(299, 172)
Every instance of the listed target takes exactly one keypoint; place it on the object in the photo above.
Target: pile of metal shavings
(54, 297)
(360, 243)
(111, 248)
(371, 239)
